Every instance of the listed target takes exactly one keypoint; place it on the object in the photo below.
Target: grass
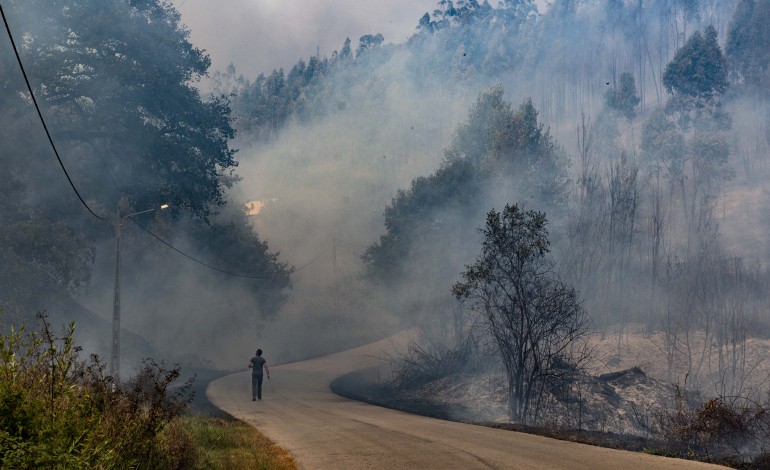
(226, 443)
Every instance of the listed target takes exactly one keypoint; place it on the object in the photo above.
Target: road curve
(325, 431)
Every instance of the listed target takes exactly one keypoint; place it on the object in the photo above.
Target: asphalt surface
(325, 431)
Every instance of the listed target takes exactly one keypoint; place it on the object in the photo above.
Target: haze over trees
(116, 82)
(640, 196)
(640, 129)
(497, 147)
(746, 44)
(634, 137)
(536, 320)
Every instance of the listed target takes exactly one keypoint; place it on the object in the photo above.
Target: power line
(311, 261)
(82, 201)
(192, 258)
(40, 115)
(350, 243)
(196, 259)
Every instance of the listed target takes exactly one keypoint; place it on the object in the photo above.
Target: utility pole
(334, 287)
(115, 356)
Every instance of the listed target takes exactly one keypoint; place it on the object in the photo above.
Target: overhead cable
(214, 267)
(82, 200)
(40, 115)
(350, 243)
(311, 261)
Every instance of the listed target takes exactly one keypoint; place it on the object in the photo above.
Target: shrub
(60, 411)
(724, 429)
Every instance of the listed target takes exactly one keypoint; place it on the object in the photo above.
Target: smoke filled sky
(261, 35)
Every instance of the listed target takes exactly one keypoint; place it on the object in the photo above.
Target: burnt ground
(357, 386)
(611, 396)
(610, 403)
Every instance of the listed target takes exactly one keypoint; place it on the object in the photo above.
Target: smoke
(322, 188)
(317, 191)
(262, 35)
(330, 179)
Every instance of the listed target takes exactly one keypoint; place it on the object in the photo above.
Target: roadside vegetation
(227, 443)
(58, 410)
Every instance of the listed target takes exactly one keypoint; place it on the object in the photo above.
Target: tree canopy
(533, 316)
(747, 42)
(496, 143)
(116, 80)
(624, 98)
(698, 69)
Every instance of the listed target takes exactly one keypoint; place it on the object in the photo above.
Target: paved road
(325, 431)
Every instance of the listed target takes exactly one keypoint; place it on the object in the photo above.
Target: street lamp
(115, 361)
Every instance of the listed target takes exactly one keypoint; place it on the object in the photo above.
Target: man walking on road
(257, 363)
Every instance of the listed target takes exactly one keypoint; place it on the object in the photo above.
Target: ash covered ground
(621, 400)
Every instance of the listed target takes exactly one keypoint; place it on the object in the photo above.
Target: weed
(231, 444)
(60, 411)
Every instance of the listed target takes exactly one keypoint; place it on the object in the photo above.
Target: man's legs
(259, 387)
(254, 384)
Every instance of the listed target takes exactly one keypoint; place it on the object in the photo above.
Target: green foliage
(459, 38)
(116, 80)
(263, 107)
(747, 42)
(50, 248)
(236, 246)
(367, 42)
(499, 141)
(59, 411)
(624, 98)
(534, 318)
(39, 258)
(470, 38)
(687, 140)
(408, 218)
(698, 70)
(495, 142)
(663, 144)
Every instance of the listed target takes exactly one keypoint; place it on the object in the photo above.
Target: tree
(513, 144)
(345, 52)
(496, 147)
(747, 43)
(624, 98)
(39, 258)
(426, 25)
(535, 318)
(698, 71)
(116, 80)
(367, 42)
(410, 219)
(689, 138)
(235, 244)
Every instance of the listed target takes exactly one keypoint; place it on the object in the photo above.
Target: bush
(60, 411)
(735, 430)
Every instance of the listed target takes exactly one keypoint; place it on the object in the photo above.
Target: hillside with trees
(116, 85)
(643, 131)
(639, 130)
